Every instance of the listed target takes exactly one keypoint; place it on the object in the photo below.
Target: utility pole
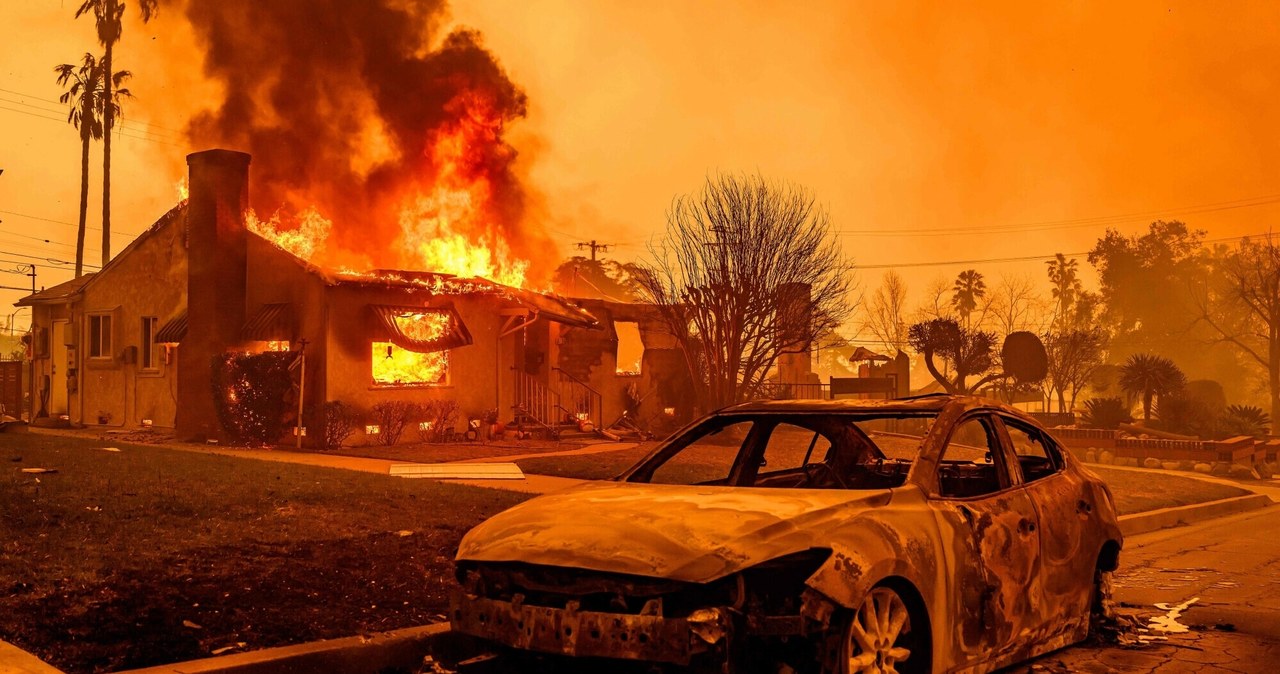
(583, 245)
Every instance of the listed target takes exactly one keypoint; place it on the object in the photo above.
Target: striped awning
(173, 330)
(270, 323)
(418, 328)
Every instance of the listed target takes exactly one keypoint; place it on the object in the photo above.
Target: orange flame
(304, 240)
(395, 366)
(183, 191)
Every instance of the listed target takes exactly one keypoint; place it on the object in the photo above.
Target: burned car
(928, 534)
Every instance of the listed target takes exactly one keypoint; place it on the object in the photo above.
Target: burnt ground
(148, 556)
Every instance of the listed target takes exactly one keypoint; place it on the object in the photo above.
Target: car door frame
(989, 595)
(1065, 506)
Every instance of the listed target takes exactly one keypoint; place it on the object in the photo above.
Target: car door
(1065, 508)
(994, 556)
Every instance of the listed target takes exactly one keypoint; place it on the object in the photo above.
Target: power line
(1248, 202)
(1023, 258)
(119, 132)
(49, 260)
(56, 102)
(64, 222)
(123, 124)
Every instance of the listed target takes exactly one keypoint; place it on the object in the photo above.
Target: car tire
(878, 637)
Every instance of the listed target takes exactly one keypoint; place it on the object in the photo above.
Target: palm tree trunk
(108, 122)
(80, 234)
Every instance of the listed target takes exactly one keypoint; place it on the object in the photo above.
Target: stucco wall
(475, 371)
(149, 278)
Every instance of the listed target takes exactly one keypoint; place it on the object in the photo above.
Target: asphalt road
(1220, 579)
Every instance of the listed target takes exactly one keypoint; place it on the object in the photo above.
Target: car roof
(930, 403)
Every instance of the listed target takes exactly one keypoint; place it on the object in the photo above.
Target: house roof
(551, 307)
(66, 292)
(58, 294)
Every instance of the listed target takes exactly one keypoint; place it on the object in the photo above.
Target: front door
(995, 550)
(58, 374)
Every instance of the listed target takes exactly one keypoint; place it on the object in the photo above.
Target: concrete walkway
(14, 660)
(531, 484)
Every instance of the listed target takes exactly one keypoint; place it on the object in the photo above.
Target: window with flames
(394, 365)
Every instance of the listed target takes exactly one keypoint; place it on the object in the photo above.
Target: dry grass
(457, 451)
(102, 562)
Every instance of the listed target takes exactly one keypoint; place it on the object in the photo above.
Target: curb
(1141, 523)
(385, 651)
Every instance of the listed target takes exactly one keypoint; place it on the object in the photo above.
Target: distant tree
(1013, 305)
(1064, 276)
(83, 99)
(1073, 358)
(747, 271)
(885, 314)
(598, 279)
(108, 17)
(1242, 307)
(1245, 420)
(964, 353)
(1151, 377)
(969, 288)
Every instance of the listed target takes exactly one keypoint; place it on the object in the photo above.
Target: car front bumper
(572, 632)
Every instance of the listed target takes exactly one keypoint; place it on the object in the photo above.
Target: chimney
(216, 251)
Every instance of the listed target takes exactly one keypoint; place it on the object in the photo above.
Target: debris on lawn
(39, 470)
(194, 626)
(404, 532)
(227, 649)
(109, 449)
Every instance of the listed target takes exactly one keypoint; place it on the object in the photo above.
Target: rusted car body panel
(1003, 577)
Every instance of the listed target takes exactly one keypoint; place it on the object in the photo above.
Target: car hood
(689, 533)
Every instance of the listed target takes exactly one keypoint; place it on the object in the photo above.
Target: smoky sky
(339, 103)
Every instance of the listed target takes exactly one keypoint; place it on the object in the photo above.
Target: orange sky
(898, 116)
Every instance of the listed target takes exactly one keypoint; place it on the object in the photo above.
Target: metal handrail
(582, 396)
(536, 400)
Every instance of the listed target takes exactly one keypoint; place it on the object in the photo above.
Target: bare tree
(1073, 357)
(1243, 307)
(1014, 305)
(886, 313)
(937, 302)
(964, 352)
(746, 272)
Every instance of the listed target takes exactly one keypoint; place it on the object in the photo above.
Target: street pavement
(1230, 567)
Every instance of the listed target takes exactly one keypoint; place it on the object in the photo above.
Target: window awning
(173, 330)
(270, 323)
(420, 329)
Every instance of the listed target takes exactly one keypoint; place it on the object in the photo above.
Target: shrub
(443, 416)
(1185, 415)
(1245, 420)
(1106, 413)
(336, 421)
(392, 416)
(251, 393)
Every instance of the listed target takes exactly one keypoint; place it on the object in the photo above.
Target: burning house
(135, 343)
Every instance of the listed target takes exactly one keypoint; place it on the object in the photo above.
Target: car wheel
(877, 638)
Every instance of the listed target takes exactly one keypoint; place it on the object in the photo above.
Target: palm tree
(109, 20)
(1152, 376)
(82, 99)
(1066, 285)
(966, 292)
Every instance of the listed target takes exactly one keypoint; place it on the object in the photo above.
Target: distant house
(134, 343)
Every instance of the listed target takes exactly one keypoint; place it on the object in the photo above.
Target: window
(396, 366)
(792, 447)
(1034, 456)
(150, 350)
(708, 457)
(967, 467)
(100, 336)
(630, 348)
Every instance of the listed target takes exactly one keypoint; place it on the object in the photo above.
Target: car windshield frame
(747, 462)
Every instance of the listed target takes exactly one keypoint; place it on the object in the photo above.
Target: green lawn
(107, 563)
